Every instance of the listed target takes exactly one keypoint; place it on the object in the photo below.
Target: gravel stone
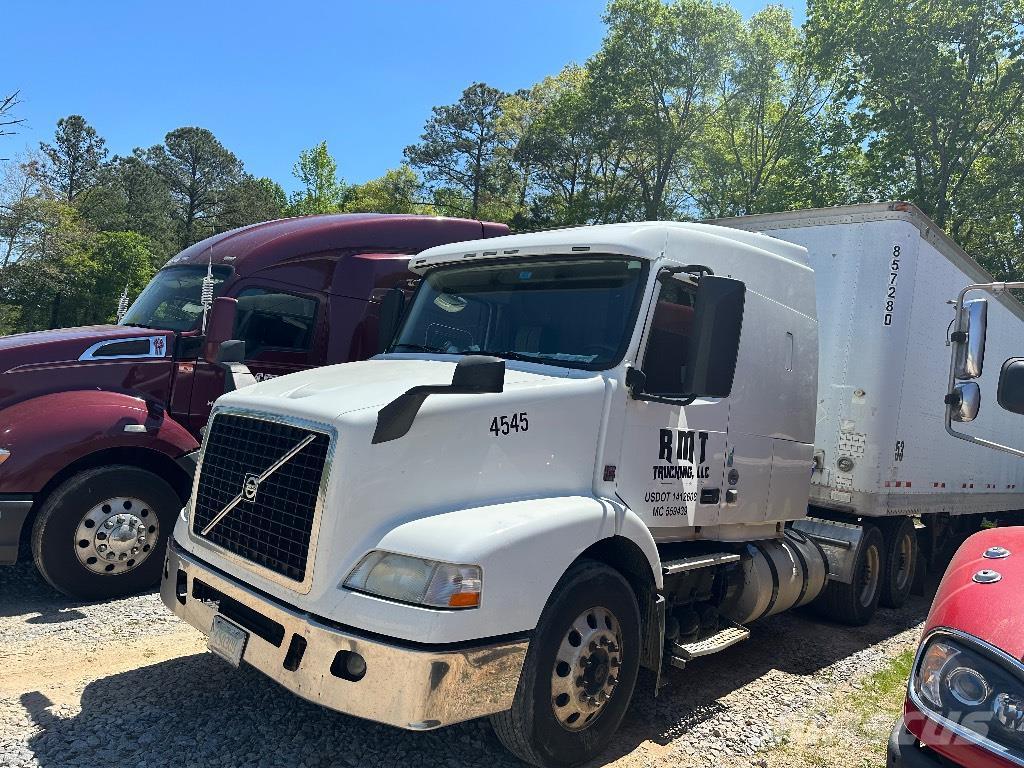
(116, 706)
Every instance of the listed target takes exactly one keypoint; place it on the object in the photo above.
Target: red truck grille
(272, 526)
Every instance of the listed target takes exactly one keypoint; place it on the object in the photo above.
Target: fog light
(349, 665)
(1009, 711)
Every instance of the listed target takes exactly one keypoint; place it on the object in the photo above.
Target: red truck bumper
(919, 742)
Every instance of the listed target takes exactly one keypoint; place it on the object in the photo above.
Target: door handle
(710, 495)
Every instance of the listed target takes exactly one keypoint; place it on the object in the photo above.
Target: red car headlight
(972, 689)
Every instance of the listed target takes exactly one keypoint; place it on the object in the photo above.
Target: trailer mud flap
(839, 541)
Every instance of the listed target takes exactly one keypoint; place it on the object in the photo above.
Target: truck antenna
(206, 294)
(122, 304)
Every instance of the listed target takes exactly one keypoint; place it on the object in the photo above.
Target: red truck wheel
(101, 533)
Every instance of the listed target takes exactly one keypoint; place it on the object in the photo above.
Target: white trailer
(586, 451)
(885, 278)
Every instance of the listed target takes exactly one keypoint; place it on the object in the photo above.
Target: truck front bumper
(407, 685)
(13, 511)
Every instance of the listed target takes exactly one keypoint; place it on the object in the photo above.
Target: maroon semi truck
(99, 426)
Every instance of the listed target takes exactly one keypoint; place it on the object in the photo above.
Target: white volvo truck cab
(585, 451)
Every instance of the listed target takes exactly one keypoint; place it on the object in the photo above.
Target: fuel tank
(778, 574)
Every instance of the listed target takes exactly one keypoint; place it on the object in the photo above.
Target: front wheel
(579, 673)
(101, 533)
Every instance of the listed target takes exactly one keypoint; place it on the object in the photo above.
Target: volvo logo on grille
(250, 487)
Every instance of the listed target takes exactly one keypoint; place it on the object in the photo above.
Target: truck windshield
(576, 312)
(172, 300)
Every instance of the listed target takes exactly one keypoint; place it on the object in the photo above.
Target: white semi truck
(586, 451)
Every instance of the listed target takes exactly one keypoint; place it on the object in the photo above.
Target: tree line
(686, 111)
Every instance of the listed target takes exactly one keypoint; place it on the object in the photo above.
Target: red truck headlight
(972, 689)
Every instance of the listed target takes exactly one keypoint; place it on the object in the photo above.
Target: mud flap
(653, 621)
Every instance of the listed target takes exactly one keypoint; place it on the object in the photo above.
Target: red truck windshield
(171, 301)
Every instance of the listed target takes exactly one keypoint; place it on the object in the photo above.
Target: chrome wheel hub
(586, 668)
(116, 536)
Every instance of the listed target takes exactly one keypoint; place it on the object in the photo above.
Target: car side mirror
(392, 306)
(970, 339)
(965, 401)
(1010, 394)
(715, 342)
(220, 327)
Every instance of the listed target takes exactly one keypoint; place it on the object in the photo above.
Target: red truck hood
(992, 612)
(63, 344)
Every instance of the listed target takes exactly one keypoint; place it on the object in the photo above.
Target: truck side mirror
(715, 343)
(970, 339)
(392, 305)
(1010, 394)
(964, 401)
(230, 355)
(220, 327)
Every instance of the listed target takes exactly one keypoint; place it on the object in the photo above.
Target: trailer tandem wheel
(855, 603)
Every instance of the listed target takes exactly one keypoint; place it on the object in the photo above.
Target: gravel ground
(124, 683)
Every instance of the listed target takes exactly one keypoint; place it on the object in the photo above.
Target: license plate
(227, 640)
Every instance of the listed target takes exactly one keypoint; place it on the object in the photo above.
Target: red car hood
(992, 612)
(63, 344)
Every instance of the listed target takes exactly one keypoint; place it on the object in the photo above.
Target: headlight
(974, 688)
(417, 581)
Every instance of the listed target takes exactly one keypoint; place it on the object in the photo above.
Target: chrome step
(670, 567)
(681, 653)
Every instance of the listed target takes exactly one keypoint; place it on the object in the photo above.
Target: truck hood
(335, 390)
(64, 344)
(991, 612)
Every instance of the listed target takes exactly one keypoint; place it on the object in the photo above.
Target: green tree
(398, 191)
(72, 163)
(117, 260)
(654, 78)
(934, 87)
(198, 170)
(48, 279)
(322, 191)
(458, 149)
(252, 200)
(757, 152)
(132, 196)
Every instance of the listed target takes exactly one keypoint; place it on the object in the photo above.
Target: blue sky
(272, 78)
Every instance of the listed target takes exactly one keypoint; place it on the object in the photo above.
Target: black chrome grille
(274, 529)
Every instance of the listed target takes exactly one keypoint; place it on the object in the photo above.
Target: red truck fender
(48, 434)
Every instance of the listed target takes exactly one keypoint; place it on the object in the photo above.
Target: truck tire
(855, 603)
(901, 556)
(101, 533)
(579, 673)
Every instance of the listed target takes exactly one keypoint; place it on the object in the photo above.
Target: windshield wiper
(508, 354)
(416, 348)
(137, 325)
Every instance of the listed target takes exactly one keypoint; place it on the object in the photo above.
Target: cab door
(672, 467)
(282, 331)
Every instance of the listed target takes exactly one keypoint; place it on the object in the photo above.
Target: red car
(965, 700)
